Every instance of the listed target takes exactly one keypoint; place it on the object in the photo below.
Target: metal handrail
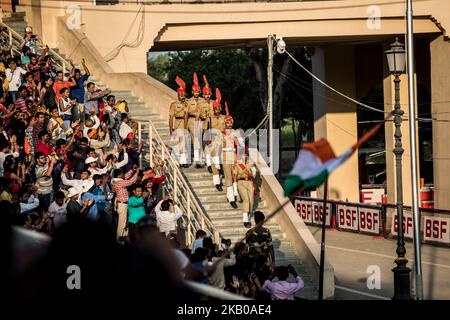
(15, 35)
(196, 215)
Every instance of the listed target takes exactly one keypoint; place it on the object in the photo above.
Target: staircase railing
(15, 39)
(195, 217)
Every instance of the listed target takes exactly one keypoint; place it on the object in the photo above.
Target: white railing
(177, 186)
(15, 39)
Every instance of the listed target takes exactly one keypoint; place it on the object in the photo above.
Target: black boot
(209, 169)
(233, 204)
(198, 166)
(248, 225)
(219, 187)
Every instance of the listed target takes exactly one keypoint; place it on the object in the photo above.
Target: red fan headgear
(206, 88)
(181, 84)
(228, 118)
(216, 103)
(195, 86)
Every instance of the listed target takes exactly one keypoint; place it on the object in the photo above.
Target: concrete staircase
(16, 21)
(227, 220)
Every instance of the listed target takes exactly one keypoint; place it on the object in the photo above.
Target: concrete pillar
(440, 107)
(389, 101)
(335, 117)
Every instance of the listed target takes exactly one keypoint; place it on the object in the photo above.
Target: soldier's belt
(179, 118)
(192, 116)
(245, 179)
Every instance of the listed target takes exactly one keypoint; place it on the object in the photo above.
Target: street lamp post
(397, 61)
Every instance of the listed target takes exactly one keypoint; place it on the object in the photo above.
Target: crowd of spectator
(68, 148)
(69, 160)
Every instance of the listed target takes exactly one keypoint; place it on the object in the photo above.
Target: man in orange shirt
(60, 83)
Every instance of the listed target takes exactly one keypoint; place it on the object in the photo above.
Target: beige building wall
(440, 108)
(335, 117)
(111, 26)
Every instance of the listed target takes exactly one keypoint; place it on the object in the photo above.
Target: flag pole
(413, 139)
(322, 243)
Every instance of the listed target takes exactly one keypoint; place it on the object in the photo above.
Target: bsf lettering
(435, 229)
(305, 211)
(369, 220)
(406, 228)
(347, 217)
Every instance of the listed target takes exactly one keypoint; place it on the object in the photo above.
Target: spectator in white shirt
(58, 209)
(93, 122)
(5, 150)
(113, 161)
(281, 289)
(27, 202)
(125, 131)
(14, 75)
(93, 166)
(84, 184)
(166, 220)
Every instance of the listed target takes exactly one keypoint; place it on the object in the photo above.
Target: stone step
(212, 198)
(207, 189)
(155, 121)
(237, 237)
(146, 114)
(129, 99)
(233, 222)
(17, 25)
(200, 175)
(122, 93)
(200, 183)
(137, 105)
(221, 213)
(240, 229)
(14, 15)
(197, 173)
(217, 206)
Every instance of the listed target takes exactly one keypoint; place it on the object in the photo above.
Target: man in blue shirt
(77, 92)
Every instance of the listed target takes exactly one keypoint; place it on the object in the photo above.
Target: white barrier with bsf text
(354, 217)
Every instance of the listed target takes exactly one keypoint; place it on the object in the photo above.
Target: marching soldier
(245, 172)
(178, 123)
(206, 112)
(195, 124)
(217, 127)
(230, 139)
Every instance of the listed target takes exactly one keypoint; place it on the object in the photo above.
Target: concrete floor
(351, 254)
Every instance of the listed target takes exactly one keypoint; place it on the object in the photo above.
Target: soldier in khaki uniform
(195, 124)
(217, 123)
(231, 138)
(245, 173)
(206, 112)
(177, 123)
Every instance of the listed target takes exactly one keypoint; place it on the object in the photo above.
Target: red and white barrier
(436, 229)
(407, 224)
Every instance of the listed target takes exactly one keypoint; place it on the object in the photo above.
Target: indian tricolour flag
(316, 161)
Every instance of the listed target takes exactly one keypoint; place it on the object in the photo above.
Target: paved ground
(351, 254)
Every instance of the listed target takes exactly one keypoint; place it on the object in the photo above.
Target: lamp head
(396, 57)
